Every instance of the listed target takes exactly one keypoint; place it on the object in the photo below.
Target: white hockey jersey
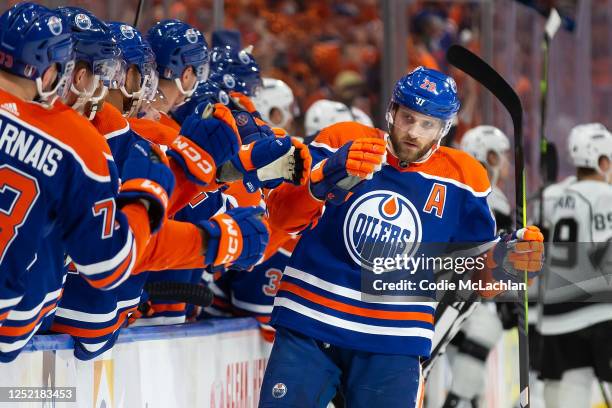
(578, 275)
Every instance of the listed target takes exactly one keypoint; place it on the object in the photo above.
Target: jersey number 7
(18, 193)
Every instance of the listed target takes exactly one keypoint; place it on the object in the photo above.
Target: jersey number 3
(18, 193)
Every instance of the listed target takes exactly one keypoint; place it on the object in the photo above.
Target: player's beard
(409, 155)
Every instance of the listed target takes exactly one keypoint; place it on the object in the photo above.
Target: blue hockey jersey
(322, 295)
(56, 197)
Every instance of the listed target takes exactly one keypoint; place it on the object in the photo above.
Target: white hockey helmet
(587, 143)
(276, 94)
(479, 141)
(324, 113)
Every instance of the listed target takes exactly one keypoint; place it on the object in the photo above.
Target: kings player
(375, 194)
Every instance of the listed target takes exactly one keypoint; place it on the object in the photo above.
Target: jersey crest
(381, 223)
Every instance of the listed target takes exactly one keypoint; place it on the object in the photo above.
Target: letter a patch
(436, 199)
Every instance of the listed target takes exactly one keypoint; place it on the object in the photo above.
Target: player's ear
(492, 158)
(49, 77)
(188, 76)
(604, 164)
(80, 77)
(132, 79)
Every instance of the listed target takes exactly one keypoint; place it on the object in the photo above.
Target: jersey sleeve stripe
(109, 264)
(120, 274)
(321, 145)
(102, 175)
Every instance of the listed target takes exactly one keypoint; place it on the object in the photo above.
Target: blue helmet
(242, 65)
(93, 40)
(429, 92)
(135, 51)
(177, 46)
(94, 45)
(33, 38)
(207, 92)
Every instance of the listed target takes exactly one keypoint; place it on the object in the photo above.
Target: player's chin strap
(136, 98)
(48, 98)
(87, 96)
(186, 94)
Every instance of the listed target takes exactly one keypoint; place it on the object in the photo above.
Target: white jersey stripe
(5, 303)
(119, 132)
(16, 315)
(128, 270)
(96, 317)
(88, 172)
(324, 146)
(349, 325)
(343, 291)
(252, 307)
(109, 264)
(17, 345)
(456, 183)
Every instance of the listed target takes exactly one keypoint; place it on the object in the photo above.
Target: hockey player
(59, 195)
(93, 318)
(331, 332)
(577, 315)
(276, 104)
(325, 112)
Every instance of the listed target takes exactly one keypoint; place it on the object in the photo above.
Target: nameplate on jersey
(381, 224)
(28, 147)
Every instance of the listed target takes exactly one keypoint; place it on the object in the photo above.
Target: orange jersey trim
(15, 331)
(355, 310)
(166, 120)
(83, 141)
(109, 121)
(162, 307)
(155, 132)
(91, 333)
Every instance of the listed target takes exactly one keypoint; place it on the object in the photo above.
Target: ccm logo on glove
(191, 152)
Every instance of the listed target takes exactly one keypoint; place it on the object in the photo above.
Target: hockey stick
(190, 293)
(138, 12)
(482, 72)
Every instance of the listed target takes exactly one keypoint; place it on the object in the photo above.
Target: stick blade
(478, 69)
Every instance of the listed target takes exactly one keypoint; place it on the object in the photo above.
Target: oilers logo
(192, 35)
(383, 224)
(279, 390)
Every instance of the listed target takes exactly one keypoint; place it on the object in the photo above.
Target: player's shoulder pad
(110, 122)
(153, 131)
(166, 120)
(338, 134)
(458, 168)
(76, 135)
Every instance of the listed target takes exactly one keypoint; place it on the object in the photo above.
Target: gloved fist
(237, 237)
(333, 178)
(515, 253)
(268, 162)
(147, 178)
(251, 128)
(205, 142)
